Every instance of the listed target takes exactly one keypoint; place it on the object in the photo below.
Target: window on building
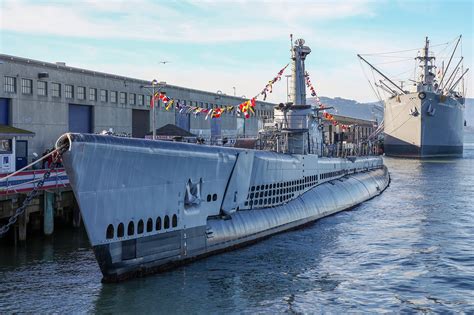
(42, 88)
(148, 99)
(123, 98)
(69, 91)
(140, 99)
(113, 96)
(103, 95)
(10, 85)
(55, 90)
(26, 86)
(92, 94)
(81, 92)
(132, 97)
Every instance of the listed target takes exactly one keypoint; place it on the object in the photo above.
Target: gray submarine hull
(149, 205)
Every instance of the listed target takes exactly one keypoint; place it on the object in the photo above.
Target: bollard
(48, 213)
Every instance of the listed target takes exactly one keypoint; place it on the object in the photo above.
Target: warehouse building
(49, 99)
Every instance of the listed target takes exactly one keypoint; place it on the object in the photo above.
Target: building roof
(10, 131)
(171, 130)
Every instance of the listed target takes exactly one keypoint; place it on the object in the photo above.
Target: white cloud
(161, 21)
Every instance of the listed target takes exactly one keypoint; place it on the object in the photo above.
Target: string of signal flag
(246, 108)
(243, 109)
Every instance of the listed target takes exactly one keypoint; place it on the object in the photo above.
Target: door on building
(140, 123)
(4, 111)
(216, 130)
(21, 154)
(182, 120)
(80, 118)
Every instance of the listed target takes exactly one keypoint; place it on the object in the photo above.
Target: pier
(54, 203)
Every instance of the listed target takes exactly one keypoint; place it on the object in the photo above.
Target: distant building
(357, 129)
(50, 99)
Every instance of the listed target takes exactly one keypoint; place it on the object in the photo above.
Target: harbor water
(410, 249)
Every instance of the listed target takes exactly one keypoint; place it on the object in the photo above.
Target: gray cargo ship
(150, 205)
(428, 120)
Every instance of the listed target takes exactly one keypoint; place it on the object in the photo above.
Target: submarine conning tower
(297, 122)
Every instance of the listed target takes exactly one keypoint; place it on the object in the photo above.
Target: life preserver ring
(422, 95)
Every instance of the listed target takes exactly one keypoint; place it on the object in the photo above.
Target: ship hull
(423, 128)
(251, 195)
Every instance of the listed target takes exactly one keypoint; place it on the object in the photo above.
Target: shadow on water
(409, 249)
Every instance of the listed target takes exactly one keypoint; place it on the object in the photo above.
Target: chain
(32, 194)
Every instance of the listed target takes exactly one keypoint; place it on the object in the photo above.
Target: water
(410, 249)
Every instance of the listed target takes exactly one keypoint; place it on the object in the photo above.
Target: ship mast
(426, 64)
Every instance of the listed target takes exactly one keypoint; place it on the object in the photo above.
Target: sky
(222, 45)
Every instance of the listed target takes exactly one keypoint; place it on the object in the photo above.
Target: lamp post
(153, 83)
(155, 87)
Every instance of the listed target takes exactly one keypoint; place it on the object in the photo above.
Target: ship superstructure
(150, 205)
(426, 120)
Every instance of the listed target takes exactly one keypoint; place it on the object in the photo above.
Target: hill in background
(351, 108)
(372, 111)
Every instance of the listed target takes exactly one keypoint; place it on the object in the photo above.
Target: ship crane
(383, 75)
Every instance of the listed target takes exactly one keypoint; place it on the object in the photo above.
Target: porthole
(258, 188)
(140, 227)
(266, 193)
(246, 203)
(253, 188)
(174, 221)
(209, 198)
(214, 197)
(149, 225)
(166, 222)
(266, 186)
(110, 232)
(120, 230)
(131, 228)
(251, 196)
(158, 224)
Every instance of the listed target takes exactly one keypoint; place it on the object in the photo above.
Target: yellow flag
(168, 106)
